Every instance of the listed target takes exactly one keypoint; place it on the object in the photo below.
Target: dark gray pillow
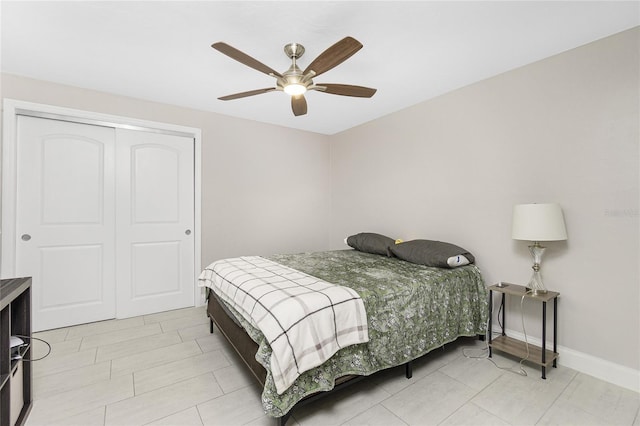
(429, 253)
(370, 242)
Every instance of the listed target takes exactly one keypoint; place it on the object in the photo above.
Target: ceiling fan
(296, 82)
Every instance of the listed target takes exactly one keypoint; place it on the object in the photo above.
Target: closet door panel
(147, 278)
(155, 195)
(75, 266)
(155, 217)
(65, 220)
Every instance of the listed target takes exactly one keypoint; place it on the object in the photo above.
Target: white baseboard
(588, 364)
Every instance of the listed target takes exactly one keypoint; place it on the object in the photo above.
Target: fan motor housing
(294, 50)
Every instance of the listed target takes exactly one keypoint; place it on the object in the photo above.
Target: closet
(104, 219)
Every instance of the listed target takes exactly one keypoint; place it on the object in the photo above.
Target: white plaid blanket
(304, 319)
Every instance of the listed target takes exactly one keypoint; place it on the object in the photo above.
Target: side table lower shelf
(518, 348)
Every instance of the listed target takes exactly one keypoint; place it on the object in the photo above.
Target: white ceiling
(413, 51)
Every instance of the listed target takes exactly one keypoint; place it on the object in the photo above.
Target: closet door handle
(188, 232)
(25, 237)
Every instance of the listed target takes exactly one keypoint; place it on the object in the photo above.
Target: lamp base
(535, 285)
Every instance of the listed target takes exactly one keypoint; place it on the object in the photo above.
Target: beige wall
(563, 130)
(265, 189)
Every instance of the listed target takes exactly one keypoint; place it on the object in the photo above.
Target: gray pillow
(429, 253)
(370, 242)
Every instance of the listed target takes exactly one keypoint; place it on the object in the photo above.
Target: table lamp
(538, 222)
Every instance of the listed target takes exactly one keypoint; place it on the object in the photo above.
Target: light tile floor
(166, 369)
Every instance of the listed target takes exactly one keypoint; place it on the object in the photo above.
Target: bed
(410, 310)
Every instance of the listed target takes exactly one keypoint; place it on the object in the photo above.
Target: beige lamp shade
(538, 222)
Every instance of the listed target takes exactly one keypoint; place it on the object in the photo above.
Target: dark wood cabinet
(15, 373)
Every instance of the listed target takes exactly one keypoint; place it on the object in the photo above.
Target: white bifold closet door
(103, 220)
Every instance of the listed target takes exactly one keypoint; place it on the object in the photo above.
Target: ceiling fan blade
(299, 105)
(243, 58)
(245, 94)
(334, 56)
(348, 90)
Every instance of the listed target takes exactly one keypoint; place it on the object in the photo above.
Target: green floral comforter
(411, 310)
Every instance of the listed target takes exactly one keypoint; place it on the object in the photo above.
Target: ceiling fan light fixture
(295, 89)
(295, 82)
